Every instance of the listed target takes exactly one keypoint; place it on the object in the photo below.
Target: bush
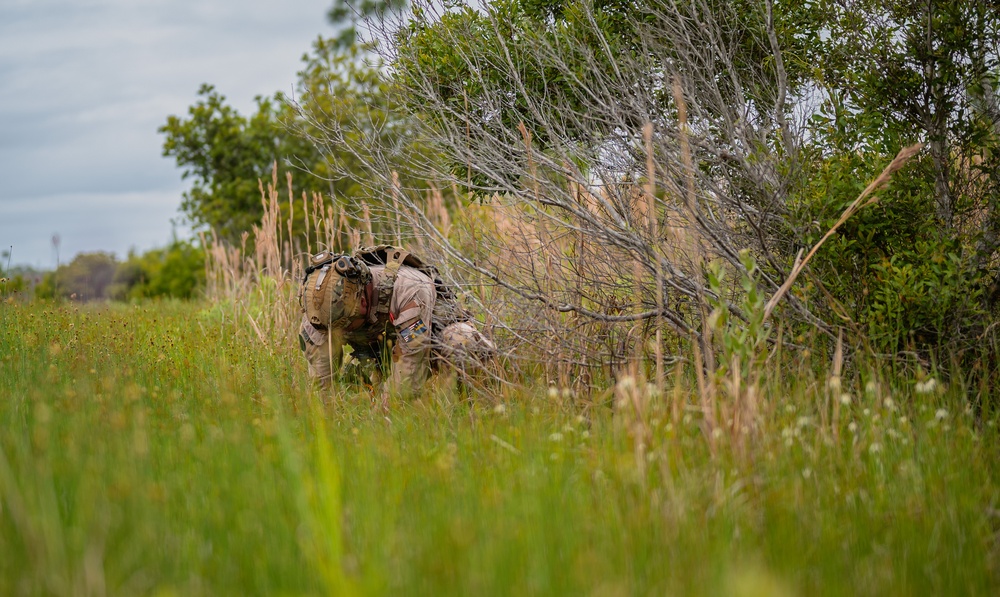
(176, 271)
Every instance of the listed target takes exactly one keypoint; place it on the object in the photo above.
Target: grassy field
(161, 449)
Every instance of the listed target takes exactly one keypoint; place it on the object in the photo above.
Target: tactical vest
(315, 293)
(446, 307)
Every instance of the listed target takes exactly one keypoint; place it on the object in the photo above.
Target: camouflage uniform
(423, 331)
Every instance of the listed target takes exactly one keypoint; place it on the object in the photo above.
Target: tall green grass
(163, 449)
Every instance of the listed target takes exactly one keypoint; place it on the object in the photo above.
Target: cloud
(84, 85)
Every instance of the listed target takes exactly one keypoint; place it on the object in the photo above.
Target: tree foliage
(227, 154)
(731, 126)
(325, 132)
(87, 278)
(175, 271)
(917, 268)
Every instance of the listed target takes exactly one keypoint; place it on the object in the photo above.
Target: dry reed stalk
(678, 395)
(834, 388)
(694, 245)
(437, 211)
(653, 227)
(526, 137)
(649, 205)
(705, 395)
(631, 401)
(898, 162)
(366, 220)
(321, 229)
(580, 253)
(305, 218)
(397, 209)
(291, 218)
(688, 163)
(736, 393)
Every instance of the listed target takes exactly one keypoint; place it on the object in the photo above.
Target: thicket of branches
(581, 164)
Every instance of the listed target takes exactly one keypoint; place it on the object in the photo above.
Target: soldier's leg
(322, 353)
(411, 354)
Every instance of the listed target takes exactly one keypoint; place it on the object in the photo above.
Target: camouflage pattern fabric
(406, 315)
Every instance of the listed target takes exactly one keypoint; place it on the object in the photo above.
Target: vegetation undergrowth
(156, 449)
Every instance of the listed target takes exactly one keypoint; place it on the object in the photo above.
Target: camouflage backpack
(331, 289)
(446, 307)
(319, 289)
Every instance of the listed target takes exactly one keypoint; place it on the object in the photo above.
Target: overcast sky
(84, 84)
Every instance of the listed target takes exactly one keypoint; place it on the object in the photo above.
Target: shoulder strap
(394, 258)
(446, 308)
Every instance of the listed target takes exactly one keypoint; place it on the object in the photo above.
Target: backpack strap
(394, 258)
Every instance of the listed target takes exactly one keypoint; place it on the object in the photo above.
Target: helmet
(461, 345)
(333, 289)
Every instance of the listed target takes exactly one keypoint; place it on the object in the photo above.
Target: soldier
(377, 296)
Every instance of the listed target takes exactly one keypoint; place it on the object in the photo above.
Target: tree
(917, 269)
(175, 271)
(346, 14)
(86, 278)
(227, 155)
(325, 132)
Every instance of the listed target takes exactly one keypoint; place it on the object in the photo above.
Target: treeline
(175, 271)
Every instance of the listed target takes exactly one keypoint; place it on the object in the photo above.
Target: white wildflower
(806, 473)
(499, 409)
(553, 392)
(626, 383)
(556, 437)
(889, 404)
(941, 414)
(926, 387)
(875, 448)
(834, 384)
(845, 399)
(871, 387)
(852, 427)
